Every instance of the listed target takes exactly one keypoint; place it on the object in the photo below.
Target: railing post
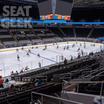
(101, 92)
(42, 101)
(59, 101)
(31, 102)
(77, 87)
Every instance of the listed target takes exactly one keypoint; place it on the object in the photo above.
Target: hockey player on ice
(29, 51)
(80, 44)
(64, 47)
(57, 46)
(39, 65)
(45, 46)
(28, 54)
(67, 47)
(18, 57)
(26, 68)
(17, 50)
(78, 49)
(73, 45)
(38, 55)
(84, 45)
(32, 47)
(82, 53)
(79, 55)
(22, 48)
(62, 57)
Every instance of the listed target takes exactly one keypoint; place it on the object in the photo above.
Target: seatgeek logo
(16, 17)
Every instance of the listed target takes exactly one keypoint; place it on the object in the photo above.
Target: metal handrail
(56, 98)
(89, 82)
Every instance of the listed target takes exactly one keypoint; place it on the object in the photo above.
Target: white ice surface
(52, 55)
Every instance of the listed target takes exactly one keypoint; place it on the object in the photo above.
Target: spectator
(21, 71)
(98, 100)
(12, 73)
(91, 54)
(6, 84)
(16, 72)
(6, 81)
(11, 89)
(65, 61)
(1, 82)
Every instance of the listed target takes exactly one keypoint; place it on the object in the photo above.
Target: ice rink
(46, 54)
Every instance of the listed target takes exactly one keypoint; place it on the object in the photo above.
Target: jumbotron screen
(62, 7)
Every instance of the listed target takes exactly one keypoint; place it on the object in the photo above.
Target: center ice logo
(16, 16)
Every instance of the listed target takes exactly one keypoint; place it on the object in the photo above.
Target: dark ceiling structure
(89, 3)
(88, 10)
